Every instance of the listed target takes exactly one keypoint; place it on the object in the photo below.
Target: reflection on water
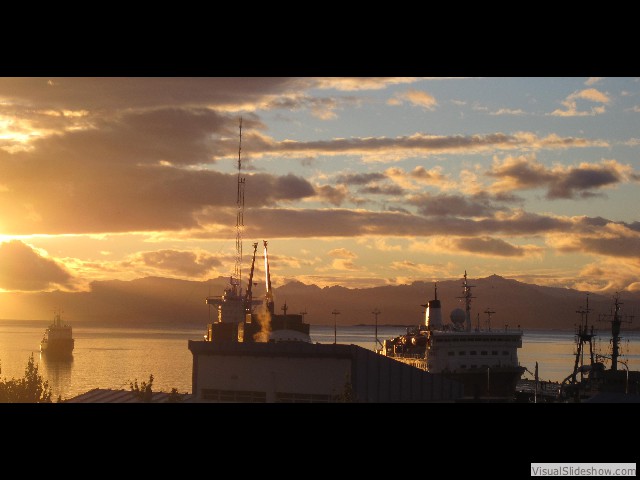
(57, 371)
(113, 357)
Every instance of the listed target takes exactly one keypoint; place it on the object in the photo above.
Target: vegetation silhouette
(32, 388)
(143, 391)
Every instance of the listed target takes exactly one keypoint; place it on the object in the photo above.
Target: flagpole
(535, 392)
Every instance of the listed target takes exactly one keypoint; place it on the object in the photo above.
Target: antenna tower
(237, 274)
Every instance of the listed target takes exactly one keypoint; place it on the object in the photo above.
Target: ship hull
(58, 348)
(496, 383)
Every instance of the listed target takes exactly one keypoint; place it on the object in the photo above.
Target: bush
(32, 388)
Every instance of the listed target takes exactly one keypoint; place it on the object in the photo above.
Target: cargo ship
(58, 338)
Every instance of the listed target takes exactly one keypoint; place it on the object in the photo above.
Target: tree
(174, 396)
(143, 391)
(347, 395)
(32, 388)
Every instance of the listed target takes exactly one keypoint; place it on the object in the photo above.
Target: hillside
(170, 301)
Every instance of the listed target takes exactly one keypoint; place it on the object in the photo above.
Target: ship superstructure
(485, 361)
(590, 376)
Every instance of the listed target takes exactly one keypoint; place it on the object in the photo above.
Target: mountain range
(156, 300)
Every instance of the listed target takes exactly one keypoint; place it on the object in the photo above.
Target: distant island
(156, 300)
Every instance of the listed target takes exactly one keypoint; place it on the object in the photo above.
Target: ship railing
(413, 356)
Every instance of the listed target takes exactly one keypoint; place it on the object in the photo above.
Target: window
(463, 366)
(462, 352)
(233, 396)
(473, 352)
(484, 352)
(451, 354)
(284, 397)
(494, 352)
(504, 352)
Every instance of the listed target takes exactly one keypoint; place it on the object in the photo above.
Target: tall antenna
(237, 278)
(467, 296)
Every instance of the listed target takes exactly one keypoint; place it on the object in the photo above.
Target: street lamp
(376, 312)
(335, 314)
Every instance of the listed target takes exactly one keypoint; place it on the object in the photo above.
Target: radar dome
(457, 316)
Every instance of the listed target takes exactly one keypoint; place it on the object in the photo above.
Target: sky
(357, 182)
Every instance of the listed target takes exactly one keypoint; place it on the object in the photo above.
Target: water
(114, 356)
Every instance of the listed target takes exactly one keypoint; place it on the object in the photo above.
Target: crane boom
(269, 294)
(249, 295)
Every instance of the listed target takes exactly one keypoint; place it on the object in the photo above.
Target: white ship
(484, 361)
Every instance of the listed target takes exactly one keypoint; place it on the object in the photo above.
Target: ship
(484, 361)
(58, 338)
(237, 319)
(590, 380)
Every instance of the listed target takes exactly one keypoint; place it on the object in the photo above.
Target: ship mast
(467, 296)
(617, 318)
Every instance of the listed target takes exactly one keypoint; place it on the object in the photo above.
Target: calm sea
(113, 356)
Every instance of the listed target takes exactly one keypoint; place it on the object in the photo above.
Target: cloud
(382, 245)
(121, 176)
(589, 94)
(384, 149)
(593, 80)
(341, 253)
(359, 83)
(95, 94)
(342, 264)
(508, 111)
(360, 178)
(23, 268)
(611, 239)
(525, 172)
(332, 195)
(608, 275)
(451, 205)
(323, 108)
(417, 98)
(592, 95)
(393, 190)
(422, 269)
(419, 177)
(118, 174)
(484, 246)
(376, 183)
(182, 263)
(328, 223)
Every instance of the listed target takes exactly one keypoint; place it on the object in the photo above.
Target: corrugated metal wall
(376, 378)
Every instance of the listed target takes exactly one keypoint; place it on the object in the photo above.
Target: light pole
(376, 312)
(335, 314)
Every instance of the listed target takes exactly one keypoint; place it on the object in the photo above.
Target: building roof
(106, 395)
(613, 397)
(274, 349)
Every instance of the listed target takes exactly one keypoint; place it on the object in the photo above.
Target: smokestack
(433, 316)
